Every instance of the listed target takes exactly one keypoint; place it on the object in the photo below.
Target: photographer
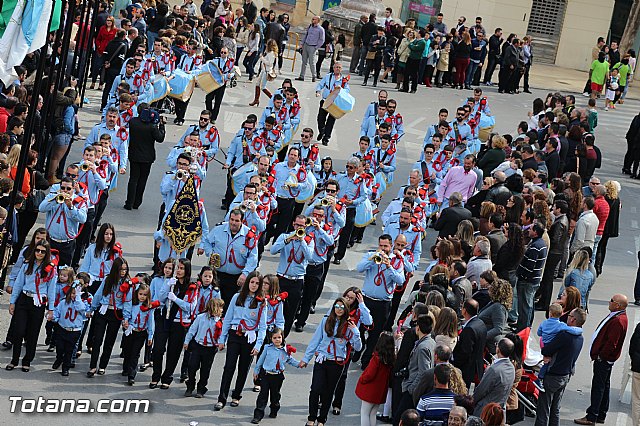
(144, 130)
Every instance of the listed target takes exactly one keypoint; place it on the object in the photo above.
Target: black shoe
(320, 135)
(47, 340)
(299, 328)
(413, 91)
(183, 378)
(299, 79)
(65, 373)
(637, 303)
(131, 381)
(224, 207)
(273, 415)
(51, 348)
(124, 374)
(57, 363)
(383, 419)
(350, 244)
(72, 365)
(6, 346)
(126, 207)
(188, 392)
(626, 171)
(527, 91)
(336, 261)
(122, 354)
(325, 141)
(255, 421)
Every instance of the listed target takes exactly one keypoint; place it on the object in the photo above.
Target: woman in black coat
(611, 227)
(326, 49)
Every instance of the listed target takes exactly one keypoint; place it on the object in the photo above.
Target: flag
(26, 32)
(183, 225)
(8, 6)
(57, 11)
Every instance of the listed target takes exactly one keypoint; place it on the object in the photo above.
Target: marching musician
(126, 109)
(383, 159)
(270, 135)
(292, 103)
(188, 63)
(363, 148)
(480, 103)
(372, 108)
(281, 133)
(371, 124)
(157, 61)
(213, 100)
(192, 148)
(173, 181)
(352, 192)
(413, 233)
(252, 208)
(323, 240)
(383, 274)
(208, 136)
(383, 129)
(414, 181)
(244, 148)
(432, 172)
(326, 173)
(442, 130)
(94, 184)
(286, 83)
(139, 87)
(329, 83)
(66, 211)
(443, 116)
(233, 245)
(114, 100)
(119, 139)
(242, 177)
(100, 255)
(410, 261)
(309, 153)
(392, 212)
(395, 119)
(295, 251)
(335, 215)
(459, 129)
(108, 169)
(287, 177)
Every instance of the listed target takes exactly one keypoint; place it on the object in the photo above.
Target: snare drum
(160, 88)
(210, 77)
(182, 85)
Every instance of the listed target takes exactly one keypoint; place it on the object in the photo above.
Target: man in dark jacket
(250, 10)
(144, 133)
(368, 30)
(493, 56)
(510, 55)
(498, 193)
(552, 158)
(114, 55)
(357, 44)
(606, 347)
(561, 355)
(450, 217)
(528, 159)
(632, 144)
(558, 234)
(468, 353)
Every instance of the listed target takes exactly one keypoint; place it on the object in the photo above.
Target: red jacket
(373, 383)
(4, 118)
(601, 209)
(104, 37)
(608, 343)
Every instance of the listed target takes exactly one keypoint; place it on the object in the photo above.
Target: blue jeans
(526, 293)
(596, 241)
(548, 409)
(600, 384)
(471, 70)
(151, 38)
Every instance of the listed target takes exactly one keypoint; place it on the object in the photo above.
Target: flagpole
(90, 53)
(65, 44)
(26, 145)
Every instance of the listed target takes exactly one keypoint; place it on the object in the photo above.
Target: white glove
(172, 297)
(128, 330)
(103, 309)
(171, 282)
(36, 301)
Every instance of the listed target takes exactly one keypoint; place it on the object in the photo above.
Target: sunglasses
(338, 306)
(330, 191)
(248, 128)
(43, 251)
(71, 176)
(204, 119)
(351, 167)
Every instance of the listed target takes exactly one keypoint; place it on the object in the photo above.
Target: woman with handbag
(326, 49)
(38, 188)
(267, 72)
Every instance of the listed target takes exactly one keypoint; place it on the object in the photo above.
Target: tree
(631, 29)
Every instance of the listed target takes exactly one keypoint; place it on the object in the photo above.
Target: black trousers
(601, 252)
(525, 85)
(393, 310)
(375, 65)
(100, 208)
(292, 302)
(83, 239)
(345, 233)
(106, 331)
(50, 329)
(505, 75)
(546, 283)
(109, 76)
(325, 122)
(181, 108)
(270, 385)
(281, 219)
(65, 346)
(228, 195)
(26, 324)
(600, 387)
(26, 220)
(491, 67)
(411, 74)
(379, 312)
(65, 251)
(323, 384)
(406, 402)
(201, 358)
(312, 280)
(132, 346)
(228, 287)
(238, 353)
(325, 271)
(338, 395)
(137, 183)
(396, 393)
(168, 337)
(213, 101)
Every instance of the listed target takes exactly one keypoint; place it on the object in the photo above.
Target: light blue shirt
(294, 256)
(322, 240)
(275, 314)
(334, 218)
(205, 295)
(380, 281)
(282, 172)
(27, 283)
(210, 139)
(240, 154)
(142, 320)
(97, 266)
(62, 222)
(94, 183)
(70, 315)
(329, 82)
(274, 359)
(245, 318)
(237, 255)
(203, 330)
(414, 239)
(331, 348)
(115, 298)
(353, 188)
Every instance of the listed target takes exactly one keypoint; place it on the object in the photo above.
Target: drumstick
(223, 153)
(215, 159)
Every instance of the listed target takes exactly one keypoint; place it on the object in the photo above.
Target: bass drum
(338, 103)
(182, 85)
(307, 188)
(161, 88)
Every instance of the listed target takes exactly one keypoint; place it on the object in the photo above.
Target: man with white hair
(480, 261)
(450, 217)
(498, 193)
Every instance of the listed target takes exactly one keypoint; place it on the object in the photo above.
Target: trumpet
(300, 232)
(308, 222)
(85, 167)
(181, 174)
(326, 202)
(214, 260)
(60, 198)
(378, 258)
(243, 208)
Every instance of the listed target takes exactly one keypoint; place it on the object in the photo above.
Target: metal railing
(291, 49)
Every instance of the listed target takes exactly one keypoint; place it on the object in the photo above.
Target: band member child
(65, 277)
(69, 316)
(270, 368)
(139, 332)
(205, 332)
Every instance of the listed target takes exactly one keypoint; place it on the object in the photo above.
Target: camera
(150, 115)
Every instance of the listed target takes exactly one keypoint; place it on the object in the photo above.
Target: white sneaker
(585, 94)
(606, 108)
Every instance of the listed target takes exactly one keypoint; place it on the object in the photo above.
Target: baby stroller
(527, 389)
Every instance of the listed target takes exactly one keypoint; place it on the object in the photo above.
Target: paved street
(135, 229)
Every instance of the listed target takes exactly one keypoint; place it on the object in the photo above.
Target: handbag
(271, 75)
(36, 196)
(371, 55)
